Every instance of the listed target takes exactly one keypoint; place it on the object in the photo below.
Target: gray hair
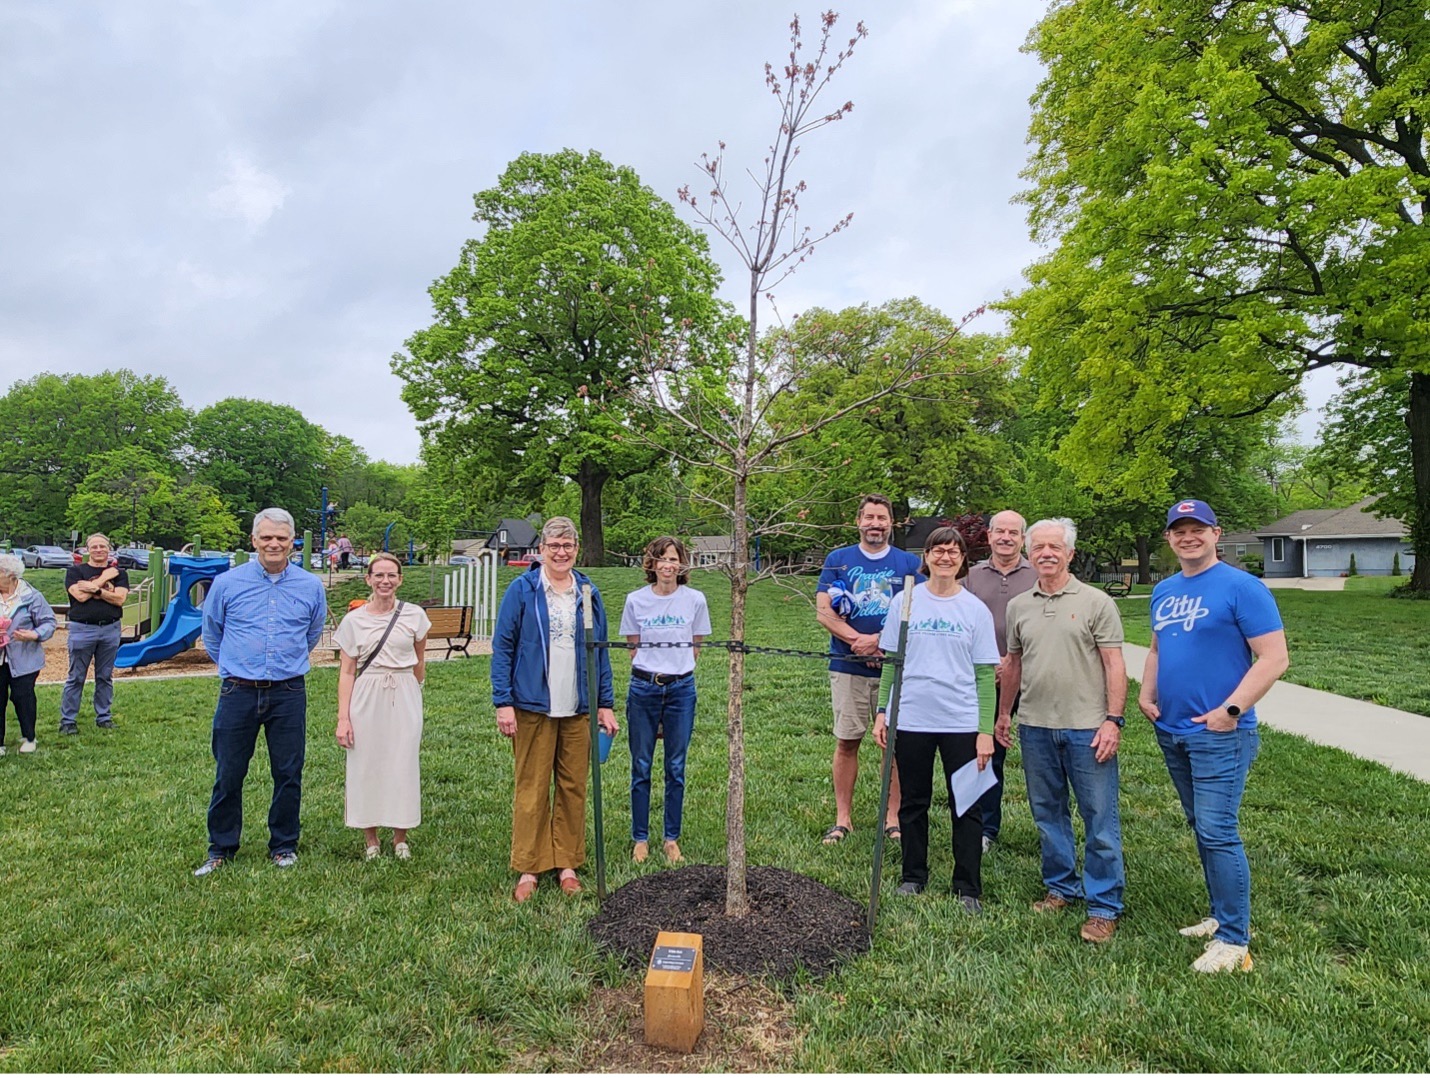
(1068, 527)
(1022, 524)
(11, 565)
(277, 516)
(99, 535)
(559, 528)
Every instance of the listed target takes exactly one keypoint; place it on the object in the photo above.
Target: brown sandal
(524, 890)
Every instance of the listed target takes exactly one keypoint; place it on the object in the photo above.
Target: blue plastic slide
(183, 621)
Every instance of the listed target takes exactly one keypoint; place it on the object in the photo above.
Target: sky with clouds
(252, 199)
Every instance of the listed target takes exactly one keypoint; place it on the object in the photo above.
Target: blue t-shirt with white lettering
(1202, 624)
(869, 584)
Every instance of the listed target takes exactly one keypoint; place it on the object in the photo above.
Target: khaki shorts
(856, 698)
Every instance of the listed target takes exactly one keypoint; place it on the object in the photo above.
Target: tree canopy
(257, 454)
(1236, 195)
(538, 329)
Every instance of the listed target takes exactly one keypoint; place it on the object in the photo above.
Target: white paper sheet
(968, 784)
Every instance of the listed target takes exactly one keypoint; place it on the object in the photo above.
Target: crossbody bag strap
(378, 650)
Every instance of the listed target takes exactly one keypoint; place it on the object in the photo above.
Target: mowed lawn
(115, 958)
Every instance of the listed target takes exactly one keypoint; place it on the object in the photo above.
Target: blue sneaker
(285, 859)
(213, 864)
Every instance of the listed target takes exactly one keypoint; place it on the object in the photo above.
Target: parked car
(46, 557)
(131, 557)
(461, 559)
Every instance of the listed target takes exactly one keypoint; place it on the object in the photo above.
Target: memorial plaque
(673, 959)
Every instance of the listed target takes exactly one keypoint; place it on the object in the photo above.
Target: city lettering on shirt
(1183, 610)
(871, 591)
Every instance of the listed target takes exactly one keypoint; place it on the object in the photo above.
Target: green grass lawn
(1357, 642)
(115, 958)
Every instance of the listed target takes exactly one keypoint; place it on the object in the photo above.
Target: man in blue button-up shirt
(261, 621)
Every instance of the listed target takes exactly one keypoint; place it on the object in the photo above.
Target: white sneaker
(1201, 930)
(987, 844)
(27, 746)
(1223, 957)
(2, 750)
(402, 852)
(372, 853)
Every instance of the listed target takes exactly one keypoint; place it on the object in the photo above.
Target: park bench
(1119, 589)
(452, 624)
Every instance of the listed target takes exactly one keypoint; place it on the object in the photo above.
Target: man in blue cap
(1217, 648)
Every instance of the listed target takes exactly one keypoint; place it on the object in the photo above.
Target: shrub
(1395, 564)
(1352, 570)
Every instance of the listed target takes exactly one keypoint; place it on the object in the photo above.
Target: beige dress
(384, 786)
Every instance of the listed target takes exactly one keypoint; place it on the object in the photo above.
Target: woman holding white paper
(945, 707)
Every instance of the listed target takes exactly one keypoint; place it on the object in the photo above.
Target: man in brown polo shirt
(1065, 657)
(1002, 575)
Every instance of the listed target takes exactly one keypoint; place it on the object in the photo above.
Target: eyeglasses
(944, 553)
(561, 548)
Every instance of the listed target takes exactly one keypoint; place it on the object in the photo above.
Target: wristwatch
(1232, 710)
(1121, 722)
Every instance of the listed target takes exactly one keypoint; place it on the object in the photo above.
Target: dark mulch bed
(794, 922)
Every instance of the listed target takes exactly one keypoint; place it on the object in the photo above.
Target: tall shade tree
(257, 454)
(57, 425)
(134, 496)
(537, 330)
(1236, 194)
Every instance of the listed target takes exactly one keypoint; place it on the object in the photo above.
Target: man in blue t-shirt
(1217, 648)
(856, 589)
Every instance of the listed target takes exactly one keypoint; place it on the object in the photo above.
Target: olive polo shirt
(1058, 636)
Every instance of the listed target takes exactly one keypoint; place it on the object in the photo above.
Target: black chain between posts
(746, 649)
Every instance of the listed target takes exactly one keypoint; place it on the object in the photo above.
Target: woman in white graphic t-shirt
(661, 701)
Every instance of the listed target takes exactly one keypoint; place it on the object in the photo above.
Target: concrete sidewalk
(1398, 739)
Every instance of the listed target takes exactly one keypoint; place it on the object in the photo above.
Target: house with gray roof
(1320, 542)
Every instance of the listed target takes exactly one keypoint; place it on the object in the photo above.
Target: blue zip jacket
(521, 645)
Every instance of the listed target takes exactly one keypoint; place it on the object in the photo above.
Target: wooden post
(675, 991)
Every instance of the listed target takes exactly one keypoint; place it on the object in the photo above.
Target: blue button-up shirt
(263, 629)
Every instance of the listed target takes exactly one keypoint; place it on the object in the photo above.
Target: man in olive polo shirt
(1065, 656)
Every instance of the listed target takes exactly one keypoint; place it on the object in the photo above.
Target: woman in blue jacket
(26, 622)
(539, 691)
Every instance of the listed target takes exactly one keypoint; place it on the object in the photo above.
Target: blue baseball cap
(1192, 509)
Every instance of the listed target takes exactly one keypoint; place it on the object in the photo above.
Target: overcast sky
(251, 199)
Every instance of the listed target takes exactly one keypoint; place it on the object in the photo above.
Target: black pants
(914, 753)
(21, 689)
(991, 803)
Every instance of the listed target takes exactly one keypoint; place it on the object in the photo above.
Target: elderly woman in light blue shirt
(26, 622)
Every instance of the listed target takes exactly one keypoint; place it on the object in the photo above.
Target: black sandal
(835, 835)
(893, 834)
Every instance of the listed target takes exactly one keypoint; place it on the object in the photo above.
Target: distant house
(1320, 542)
(513, 539)
(916, 531)
(1233, 547)
(707, 551)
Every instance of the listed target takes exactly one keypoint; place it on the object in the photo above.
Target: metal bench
(1119, 589)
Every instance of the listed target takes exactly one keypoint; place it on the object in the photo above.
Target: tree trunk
(1417, 418)
(737, 898)
(592, 480)
(1144, 560)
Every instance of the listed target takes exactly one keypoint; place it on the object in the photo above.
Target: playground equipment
(475, 585)
(182, 619)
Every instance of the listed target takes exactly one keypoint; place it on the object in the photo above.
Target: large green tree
(134, 496)
(257, 454)
(55, 426)
(539, 328)
(1236, 195)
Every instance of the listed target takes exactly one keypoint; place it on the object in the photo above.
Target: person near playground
(539, 690)
(856, 588)
(262, 620)
(1065, 666)
(97, 591)
(345, 551)
(945, 707)
(1217, 648)
(26, 622)
(661, 699)
(997, 579)
(383, 646)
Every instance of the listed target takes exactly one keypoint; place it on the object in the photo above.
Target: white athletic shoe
(27, 746)
(1202, 929)
(1223, 957)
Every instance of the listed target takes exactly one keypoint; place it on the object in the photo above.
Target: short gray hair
(1068, 527)
(11, 565)
(277, 516)
(559, 528)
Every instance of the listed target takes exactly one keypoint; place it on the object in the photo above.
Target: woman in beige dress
(380, 708)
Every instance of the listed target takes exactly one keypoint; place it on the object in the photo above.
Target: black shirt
(93, 611)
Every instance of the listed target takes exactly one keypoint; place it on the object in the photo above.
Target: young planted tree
(734, 435)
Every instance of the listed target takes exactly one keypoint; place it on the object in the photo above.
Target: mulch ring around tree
(794, 923)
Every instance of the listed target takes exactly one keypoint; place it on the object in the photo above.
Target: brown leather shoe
(1098, 929)
(641, 852)
(524, 890)
(570, 885)
(1052, 902)
(672, 851)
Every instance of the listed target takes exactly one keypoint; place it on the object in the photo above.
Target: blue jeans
(1053, 761)
(282, 711)
(671, 708)
(97, 644)
(1209, 771)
